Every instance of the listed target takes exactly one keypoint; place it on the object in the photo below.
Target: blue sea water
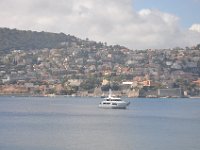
(71, 123)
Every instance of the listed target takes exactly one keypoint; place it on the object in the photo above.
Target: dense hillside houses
(88, 68)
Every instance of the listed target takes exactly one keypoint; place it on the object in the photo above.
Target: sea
(76, 123)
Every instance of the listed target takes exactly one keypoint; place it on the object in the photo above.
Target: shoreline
(93, 96)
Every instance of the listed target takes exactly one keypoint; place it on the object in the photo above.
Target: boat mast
(110, 94)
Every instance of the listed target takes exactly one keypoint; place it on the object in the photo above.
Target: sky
(186, 10)
(136, 24)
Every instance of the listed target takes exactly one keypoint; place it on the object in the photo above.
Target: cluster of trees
(25, 40)
(198, 46)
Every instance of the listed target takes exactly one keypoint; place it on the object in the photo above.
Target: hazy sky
(137, 24)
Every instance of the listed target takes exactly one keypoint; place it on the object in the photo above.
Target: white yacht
(113, 102)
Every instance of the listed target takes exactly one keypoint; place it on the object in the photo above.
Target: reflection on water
(63, 123)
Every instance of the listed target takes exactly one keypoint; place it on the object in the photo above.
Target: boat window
(106, 103)
(114, 103)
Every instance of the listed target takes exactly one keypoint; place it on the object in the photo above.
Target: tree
(90, 83)
(198, 46)
(115, 86)
(105, 87)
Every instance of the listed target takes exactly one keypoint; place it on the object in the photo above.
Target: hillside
(24, 40)
(49, 63)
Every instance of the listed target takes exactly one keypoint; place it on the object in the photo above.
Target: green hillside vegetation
(25, 40)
